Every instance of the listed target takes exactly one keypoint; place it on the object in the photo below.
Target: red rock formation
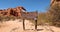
(54, 2)
(12, 11)
(18, 12)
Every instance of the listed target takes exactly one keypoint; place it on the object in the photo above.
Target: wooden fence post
(36, 20)
(35, 24)
(23, 24)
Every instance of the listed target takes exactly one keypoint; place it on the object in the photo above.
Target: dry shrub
(54, 15)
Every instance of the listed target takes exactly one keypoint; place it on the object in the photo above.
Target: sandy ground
(17, 26)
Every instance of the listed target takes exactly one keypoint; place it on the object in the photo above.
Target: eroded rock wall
(12, 11)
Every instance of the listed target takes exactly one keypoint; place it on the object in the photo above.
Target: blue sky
(29, 5)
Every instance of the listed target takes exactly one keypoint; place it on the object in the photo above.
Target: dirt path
(17, 26)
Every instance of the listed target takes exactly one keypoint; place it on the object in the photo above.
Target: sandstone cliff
(12, 11)
(54, 2)
(18, 12)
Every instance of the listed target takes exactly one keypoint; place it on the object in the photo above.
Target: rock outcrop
(18, 12)
(12, 11)
(54, 2)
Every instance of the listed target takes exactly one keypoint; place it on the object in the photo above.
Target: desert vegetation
(52, 16)
(8, 18)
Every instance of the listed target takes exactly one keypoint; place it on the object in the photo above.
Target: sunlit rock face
(12, 11)
(55, 2)
(18, 12)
